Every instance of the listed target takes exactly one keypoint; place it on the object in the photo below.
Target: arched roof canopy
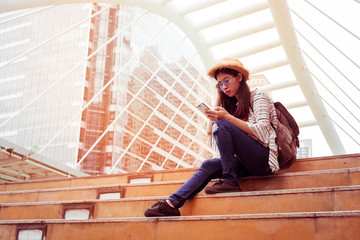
(184, 14)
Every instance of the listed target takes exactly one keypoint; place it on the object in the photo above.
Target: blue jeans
(240, 156)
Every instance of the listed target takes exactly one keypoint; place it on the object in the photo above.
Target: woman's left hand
(217, 113)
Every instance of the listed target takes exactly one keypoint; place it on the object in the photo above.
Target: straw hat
(231, 63)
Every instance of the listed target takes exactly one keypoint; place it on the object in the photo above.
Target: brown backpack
(286, 136)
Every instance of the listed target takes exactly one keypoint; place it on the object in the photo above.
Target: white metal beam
(166, 1)
(198, 5)
(277, 86)
(283, 21)
(270, 65)
(296, 104)
(233, 14)
(235, 34)
(243, 52)
(309, 123)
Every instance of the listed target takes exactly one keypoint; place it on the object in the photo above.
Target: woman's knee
(219, 125)
(211, 165)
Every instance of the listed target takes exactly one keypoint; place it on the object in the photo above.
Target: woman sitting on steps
(244, 136)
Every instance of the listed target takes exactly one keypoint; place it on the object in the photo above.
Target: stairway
(317, 198)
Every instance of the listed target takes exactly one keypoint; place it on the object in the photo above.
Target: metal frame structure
(281, 21)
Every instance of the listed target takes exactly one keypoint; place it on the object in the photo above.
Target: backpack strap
(289, 118)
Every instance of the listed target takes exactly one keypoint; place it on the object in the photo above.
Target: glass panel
(145, 76)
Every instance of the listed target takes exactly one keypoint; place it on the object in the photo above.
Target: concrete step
(343, 198)
(301, 165)
(321, 178)
(158, 176)
(308, 225)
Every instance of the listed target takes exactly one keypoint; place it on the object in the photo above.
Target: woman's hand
(217, 113)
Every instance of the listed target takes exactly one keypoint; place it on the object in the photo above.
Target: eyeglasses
(225, 82)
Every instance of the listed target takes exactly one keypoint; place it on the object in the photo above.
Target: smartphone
(202, 107)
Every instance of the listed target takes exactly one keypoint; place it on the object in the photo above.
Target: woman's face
(228, 83)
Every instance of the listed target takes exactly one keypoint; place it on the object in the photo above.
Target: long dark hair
(241, 108)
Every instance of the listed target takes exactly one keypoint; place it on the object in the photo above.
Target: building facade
(114, 90)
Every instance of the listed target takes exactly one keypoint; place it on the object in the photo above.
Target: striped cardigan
(262, 115)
